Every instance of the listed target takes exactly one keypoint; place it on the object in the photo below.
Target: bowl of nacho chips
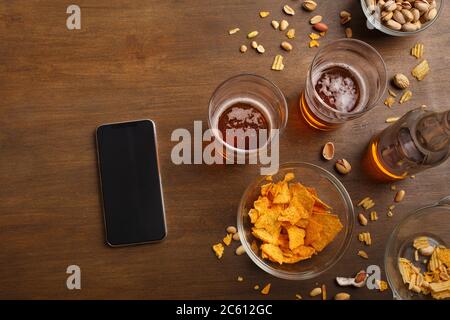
(417, 257)
(296, 224)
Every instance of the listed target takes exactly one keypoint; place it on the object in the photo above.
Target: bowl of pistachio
(401, 17)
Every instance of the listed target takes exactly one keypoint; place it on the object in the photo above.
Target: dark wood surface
(162, 60)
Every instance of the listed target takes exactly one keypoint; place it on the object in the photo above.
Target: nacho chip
(273, 252)
(296, 237)
(302, 223)
(289, 177)
(284, 195)
(313, 231)
(254, 215)
(265, 189)
(331, 226)
(319, 203)
(262, 205)
(218, 250)
(302, 195)
(312, 191)
(283, 241)
(299, 254)
(266, 289)
(264, 236)
(228, 238)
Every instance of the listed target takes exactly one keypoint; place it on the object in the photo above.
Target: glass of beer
(245, 111)
(346, 79)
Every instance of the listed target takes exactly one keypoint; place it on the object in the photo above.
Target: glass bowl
(373, 21)
(432, 221)
(330, 190)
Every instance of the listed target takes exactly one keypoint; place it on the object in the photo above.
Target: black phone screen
(130, 183)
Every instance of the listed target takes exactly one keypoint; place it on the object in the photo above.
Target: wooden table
(162, 60)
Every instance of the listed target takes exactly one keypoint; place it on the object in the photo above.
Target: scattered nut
(240, 279)
(288, 10)
(363, 254)
(236, 237)
(243, 48)
(231, 229)
(321, 27)
(401, 81)
(362, 219)
(298, 296)
(324, 292)
(315, 19)
(275, 24)
(309, 5)
(342, 296)
(254, 44)
(343, 166)
(284, 25)
(426, 251)
(240, 250)
(345, 17)
(328, 151)
(233, 31)
(252, 34)
(286, 46)
(315, 292)
(349, 32)
(400, 195)
(392, 119)
(260, 49)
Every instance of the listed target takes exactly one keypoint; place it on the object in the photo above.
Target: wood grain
(162, 60)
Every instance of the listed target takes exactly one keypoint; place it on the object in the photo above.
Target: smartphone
(130, 182)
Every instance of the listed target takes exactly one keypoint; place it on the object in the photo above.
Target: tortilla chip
(331, 226)
(283, 241)
(284, 195)
(299, 254)
(289, 177)
(264, 235)
(290, 214)
(228, 238)
(296, 237)
(302, 223)
(320, 203)
(262, 205)
(313, 231)
(269, 221)
(313, 191)
(301, 196)
(265, 189)
(218, 250)
(254, 215)
(273, 252)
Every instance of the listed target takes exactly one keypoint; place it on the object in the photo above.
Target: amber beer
(418, 141)
(345, 80)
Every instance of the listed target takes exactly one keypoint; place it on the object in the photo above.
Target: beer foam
(340, 90)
